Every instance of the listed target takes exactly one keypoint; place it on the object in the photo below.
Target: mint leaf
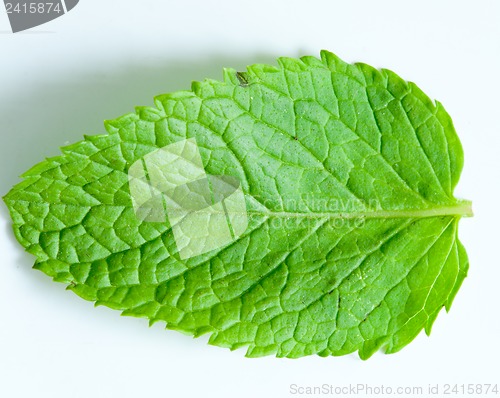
(344, 236)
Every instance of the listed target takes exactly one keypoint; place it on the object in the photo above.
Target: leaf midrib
(462, 208)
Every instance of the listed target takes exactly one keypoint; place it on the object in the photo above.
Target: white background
(61, 80)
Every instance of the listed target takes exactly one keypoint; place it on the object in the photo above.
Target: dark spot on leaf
(242, 78)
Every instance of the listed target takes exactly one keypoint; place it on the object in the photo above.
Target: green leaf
(347, 175)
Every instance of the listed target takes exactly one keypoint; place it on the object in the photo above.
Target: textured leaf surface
(348, 175)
